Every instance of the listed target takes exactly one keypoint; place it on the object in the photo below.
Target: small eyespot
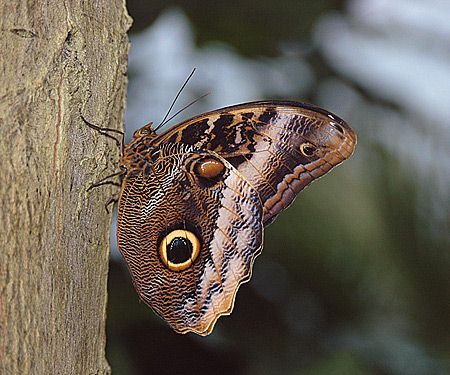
(208, 171)
(179, 249)
(209, 168)
(308, 149)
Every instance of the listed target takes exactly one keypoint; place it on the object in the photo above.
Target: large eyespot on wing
(279, 147)
(189, 227)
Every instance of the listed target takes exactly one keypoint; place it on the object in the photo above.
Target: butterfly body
(195, 199)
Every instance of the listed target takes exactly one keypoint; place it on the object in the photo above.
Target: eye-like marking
(209, 168)
(308, 149)
(208, 171)
(179, 249)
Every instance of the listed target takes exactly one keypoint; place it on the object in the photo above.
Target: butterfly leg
(104, 131)
(110, 201)
(106, 180)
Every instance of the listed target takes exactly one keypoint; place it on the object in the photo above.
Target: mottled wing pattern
(159, 193)
(279, 147)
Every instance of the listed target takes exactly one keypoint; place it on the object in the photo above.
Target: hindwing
(165, 195)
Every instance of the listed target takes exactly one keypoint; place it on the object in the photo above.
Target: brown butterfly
(195, 199)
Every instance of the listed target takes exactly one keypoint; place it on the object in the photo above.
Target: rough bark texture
(59, 61)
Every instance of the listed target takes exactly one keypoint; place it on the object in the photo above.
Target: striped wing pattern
(227, 218)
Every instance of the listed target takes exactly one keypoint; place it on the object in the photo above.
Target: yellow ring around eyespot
(191, 237)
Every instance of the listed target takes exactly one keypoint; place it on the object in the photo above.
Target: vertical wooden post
(60, 61)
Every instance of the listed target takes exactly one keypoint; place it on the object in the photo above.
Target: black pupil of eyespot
(179, 250)
(309, 150)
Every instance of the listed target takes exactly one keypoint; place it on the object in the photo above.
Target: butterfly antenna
(181, 110)
(176, 98)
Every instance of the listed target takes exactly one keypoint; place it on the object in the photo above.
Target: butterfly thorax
(136, 151)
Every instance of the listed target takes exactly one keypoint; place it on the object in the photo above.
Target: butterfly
(195, 200)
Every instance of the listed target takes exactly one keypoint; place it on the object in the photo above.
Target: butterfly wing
(164, 194)
(260, 155)
(278, 147)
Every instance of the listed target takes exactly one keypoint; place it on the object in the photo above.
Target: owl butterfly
(195, 200)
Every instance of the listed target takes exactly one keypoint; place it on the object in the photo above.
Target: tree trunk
(60, 62)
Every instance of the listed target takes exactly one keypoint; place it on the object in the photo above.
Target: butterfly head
(146, 131)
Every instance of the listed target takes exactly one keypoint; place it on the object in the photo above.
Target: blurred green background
(354, 276)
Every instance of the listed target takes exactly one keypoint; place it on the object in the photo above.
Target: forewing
(278, 147)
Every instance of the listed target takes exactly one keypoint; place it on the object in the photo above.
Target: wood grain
(59, 61)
